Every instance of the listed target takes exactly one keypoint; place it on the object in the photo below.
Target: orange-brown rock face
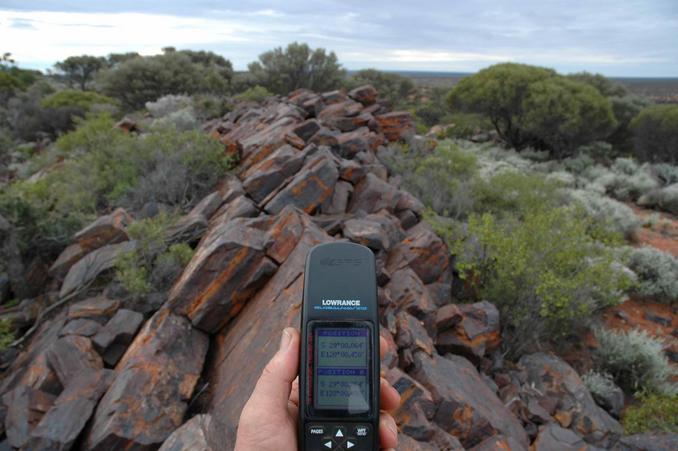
(396, 125)
(227, 268)
(154, 381)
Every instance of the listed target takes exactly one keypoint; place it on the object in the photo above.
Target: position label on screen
(341, 370)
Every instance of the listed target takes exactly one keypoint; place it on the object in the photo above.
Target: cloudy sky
(614, 37)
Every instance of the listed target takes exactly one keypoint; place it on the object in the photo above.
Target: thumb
(273, 387)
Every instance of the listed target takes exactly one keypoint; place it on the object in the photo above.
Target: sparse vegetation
(657, 274)
(653, 413)
(6, 334)
(635, 360)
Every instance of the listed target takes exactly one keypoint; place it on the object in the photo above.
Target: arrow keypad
(339, 437)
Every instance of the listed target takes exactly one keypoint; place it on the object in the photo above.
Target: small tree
(655, 132)
(603, 85)
(498, 92)
(80, 70)
(297, 66)
(564, 114)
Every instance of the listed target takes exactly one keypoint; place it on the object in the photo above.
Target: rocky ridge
(174, 373)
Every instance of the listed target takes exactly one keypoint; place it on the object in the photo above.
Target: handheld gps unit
(339, 367)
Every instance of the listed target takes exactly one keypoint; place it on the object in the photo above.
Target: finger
(388, 431)
(294, 394)
(383, 346)
(390, 398)
(272, 392)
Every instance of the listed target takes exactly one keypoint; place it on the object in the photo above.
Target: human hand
(268, 421)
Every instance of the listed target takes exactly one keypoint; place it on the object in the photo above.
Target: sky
(613, 37)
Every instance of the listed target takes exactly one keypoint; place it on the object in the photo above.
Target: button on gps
(328, 444)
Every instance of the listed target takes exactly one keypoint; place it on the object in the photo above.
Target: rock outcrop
(174, 373)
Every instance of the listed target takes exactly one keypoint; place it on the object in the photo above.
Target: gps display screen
(342, 369)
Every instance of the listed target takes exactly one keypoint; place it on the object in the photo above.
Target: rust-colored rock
(109, 229)
(154, 381)
(467, 408)
(373, 194)
(240, 207)
(66, 259)
(112, 340)
(265, 176)
(88, 268)
(253, 337)
(447, 317)
(416, 408)
(200, 433)
(25, 408)
(554, 438)
(64, 422)
(98, 307)
(365, 94)
(338, 202)
(84, 327)
(353, 142)
(476, 334)
(127, 125)
(551, 376)
(187, 229)
(497, 443)
(73, 355)
(649, 441)
(351, 171)
(409, 293)
(307, 129)
(310, 187)
(396, 125)
(412, 334)
(424, 252)
(227, 268)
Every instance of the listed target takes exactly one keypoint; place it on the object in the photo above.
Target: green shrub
(657, 273)
(6, 334)
(545, 272)
(254, 94)
(156, 263)
(169, 104)
(635, 360)
(652, 413)
(565, 114)
(655, 131)
(666, 173)
(465, 125)
(442, 180)
(132, 274)
(664, 198)
(601, 83)
(533, 106)
(392, 87)
(71, 98)
(106, 168)
(515, 193)
(297, 66)
(138, 80)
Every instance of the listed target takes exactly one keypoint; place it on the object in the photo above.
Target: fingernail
(285, 339)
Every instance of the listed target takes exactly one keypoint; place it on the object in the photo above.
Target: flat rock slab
(72, 356)
(154, 382)
(410, 294)
(109, 229)
(242, 350)
(555, 438)
(227, 268)
(87, 269)
(649, 441)
(424, 252)
(63, 423)
(373, 194)
(264, 177)
(477, 332)
(309, 188)
(112, 340)
(97, 308)
(82, 326)
(467, 408)
(200, 433)
(26, 406)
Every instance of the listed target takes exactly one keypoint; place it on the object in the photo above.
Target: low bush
(652, 413)
(168, 104)
(254, 94)
(600, 384)
(157, 262)
(664, 198)
(655, 131)
(542, 291)
(635, 360)
(466, 125)
(392, 87)
(72, 98)
(614, 215)
(106, 168)
(657, 274)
